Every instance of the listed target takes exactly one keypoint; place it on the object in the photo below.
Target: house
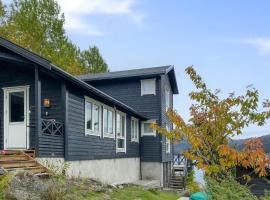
(98, 124)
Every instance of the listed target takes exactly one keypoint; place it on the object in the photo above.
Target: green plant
(227, 189)
(266, 196)
(192, 185)
(4, 183)
(58, 167)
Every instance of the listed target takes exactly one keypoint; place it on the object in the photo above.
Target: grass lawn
(130, 193)
(62, 188)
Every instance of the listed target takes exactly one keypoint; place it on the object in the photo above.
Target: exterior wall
(87, 147)
(166, 157)
(153, 149)
(51, 145)
(12, 75)
(109, 171)
(152, 171)
(128, 91)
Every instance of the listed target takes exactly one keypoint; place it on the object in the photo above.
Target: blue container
(198, 196)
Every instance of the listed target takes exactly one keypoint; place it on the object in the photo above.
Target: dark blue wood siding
(12, 75)
(165, 83)
(49, 145)
(87, 147)
(129, 92)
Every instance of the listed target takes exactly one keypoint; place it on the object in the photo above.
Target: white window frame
(167, 101)
(121, 150)
(142, 128)
(105, 134)
(145, 81)
(167, 141)
(134, 138)
(89, 131)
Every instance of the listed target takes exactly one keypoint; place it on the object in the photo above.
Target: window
(134, 130)
(92, 117)
(167, 98)
(120, 132)
(146, 130)
(168, 142)
(148, 86)
(108, 122)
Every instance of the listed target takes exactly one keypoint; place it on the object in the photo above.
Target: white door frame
(8, 90)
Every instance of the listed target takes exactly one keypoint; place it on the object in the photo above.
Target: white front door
(16, 117)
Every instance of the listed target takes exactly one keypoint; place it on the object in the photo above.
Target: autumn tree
(38, 25)
(213, 122)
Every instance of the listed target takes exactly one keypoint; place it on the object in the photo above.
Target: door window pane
(16, 109)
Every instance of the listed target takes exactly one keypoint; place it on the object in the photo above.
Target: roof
(28, 55)
(142, 73)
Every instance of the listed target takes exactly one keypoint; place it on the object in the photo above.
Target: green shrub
(192, 185)
(227, 189)
(4, 183)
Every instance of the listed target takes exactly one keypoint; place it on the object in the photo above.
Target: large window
(120, 132)
(148, 86)
(108, 122)
(147, 130)
(92, 117)
(134, 130)
(167, 98)
(168, 142)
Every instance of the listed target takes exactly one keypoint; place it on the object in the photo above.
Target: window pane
(16, 106)
(88, 115)
(110, 122)
(146, 128)
(105, 120)
(123, 126)
(118, 125)
(148, 86)
(96, 117)
(120, 143)
(167, 98)
(132, 129)
(136, 129)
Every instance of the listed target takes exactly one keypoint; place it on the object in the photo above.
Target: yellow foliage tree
(213, 121)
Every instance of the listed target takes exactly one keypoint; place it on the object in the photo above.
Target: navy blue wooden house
(98, 123)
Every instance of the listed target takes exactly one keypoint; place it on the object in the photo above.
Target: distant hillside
(239, 144)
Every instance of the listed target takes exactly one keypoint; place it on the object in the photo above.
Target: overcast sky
(227, 41)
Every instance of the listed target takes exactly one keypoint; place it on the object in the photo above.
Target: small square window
(148, 86)
(146, 129)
